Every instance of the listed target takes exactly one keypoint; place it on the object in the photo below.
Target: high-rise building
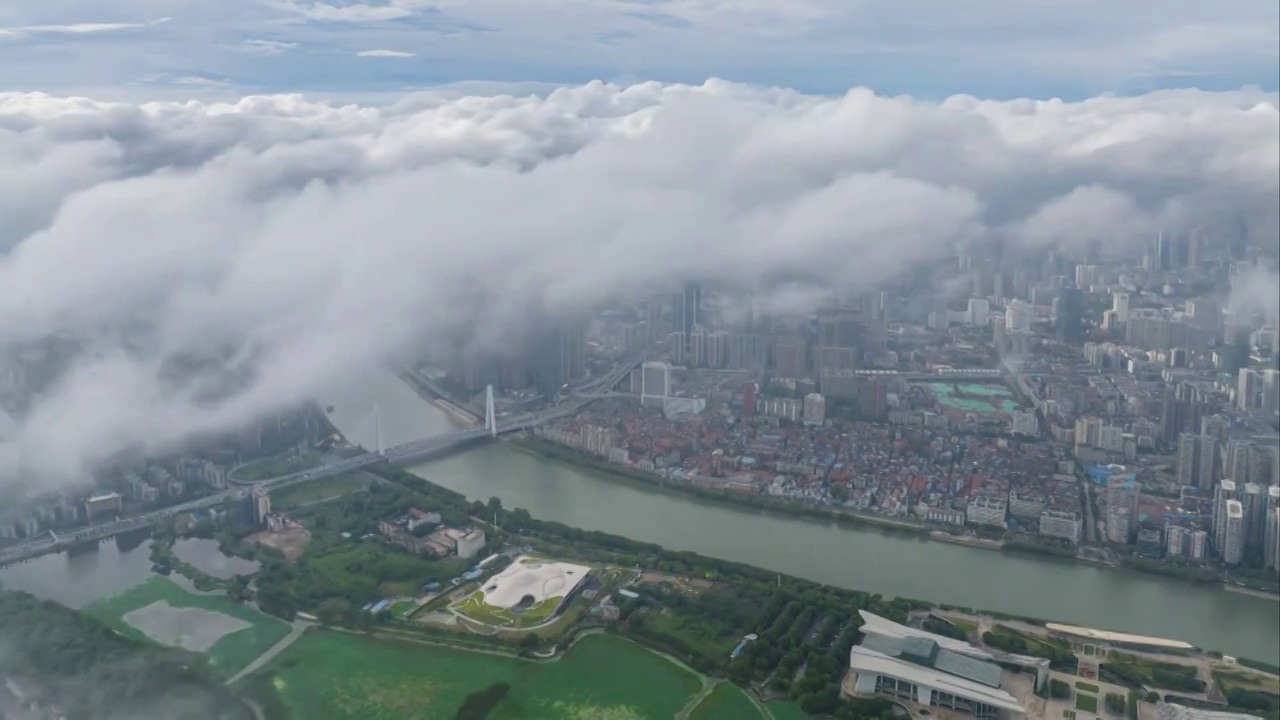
(1122, 507)
(789, 356)
(1235, 461)
(717, 349)
(1271, 392)
(655, 329)
(1197, 460)
(1018, 316)
(1222, 495)
(839, 328)
(1234, 533)
(1254, 502)
(1235, 355)
(1070, 317)
(686, 309)
(261, 504)
(1248, 389)
(815, 409)
(558, 356)
(749, 399)
(697, 347)
(1196, 549)
(1120, 305)
(679, 349)
(1271, 551)
(1271, 528)
(1175, 539)
(655, 382)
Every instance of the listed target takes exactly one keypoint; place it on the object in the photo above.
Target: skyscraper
(1197, 457)
(1233, 533)
(557, 357)
(1070, 314)
(686, 309)
(1222, 495)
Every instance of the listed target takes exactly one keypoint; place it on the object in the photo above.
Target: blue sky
(927, 48)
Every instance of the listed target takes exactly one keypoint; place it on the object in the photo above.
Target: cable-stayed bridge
(403, 454)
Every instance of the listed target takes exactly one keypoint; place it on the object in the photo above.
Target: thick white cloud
(307, 240)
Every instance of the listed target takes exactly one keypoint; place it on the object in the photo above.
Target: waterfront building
(1271, 546)
(986, 510)
(1234, 533)
(898, 661)
(1223, 494)
(1198, 547)
(1061, 523)
(1175, 539)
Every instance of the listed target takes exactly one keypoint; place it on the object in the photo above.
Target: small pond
(205, 556)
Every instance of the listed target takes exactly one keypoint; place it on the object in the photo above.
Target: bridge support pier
(490, 417)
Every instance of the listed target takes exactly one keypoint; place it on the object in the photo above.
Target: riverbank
(546, 448)
(966, 540)
(891, 564)
(452, 409)
(555, 451)
(1230, 587)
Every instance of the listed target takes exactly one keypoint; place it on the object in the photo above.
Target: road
(299, 627)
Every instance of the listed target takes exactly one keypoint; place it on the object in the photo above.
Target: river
(865, 559)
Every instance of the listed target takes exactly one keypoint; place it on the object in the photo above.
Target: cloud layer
(298, 242)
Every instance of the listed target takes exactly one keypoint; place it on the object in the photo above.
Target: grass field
(278, 465)
(329, 675)
(229, 654)
(783, 710)
(1230, 679)
(316, 490)
(726, 702)
(477, 609)
(402, 608)
(1087, 703)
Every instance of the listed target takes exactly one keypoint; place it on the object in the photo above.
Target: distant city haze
(298, 242)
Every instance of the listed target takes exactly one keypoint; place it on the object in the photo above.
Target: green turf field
(328, 674)
(726, 702)
(229, 654)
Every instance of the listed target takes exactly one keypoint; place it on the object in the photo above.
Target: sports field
(329, 674)
(726, 702)
(232, 635)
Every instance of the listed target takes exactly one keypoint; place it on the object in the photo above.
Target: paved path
(299, 627)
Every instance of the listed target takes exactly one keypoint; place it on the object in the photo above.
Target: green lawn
(316, 490)
(477, 609)
(327, 674)
(229, 654)
(601, 677)
(402, 608)
(694, 633)
(783, 710)
(1087, 703)
(1087, 687)
(726, 702)
(279, 465)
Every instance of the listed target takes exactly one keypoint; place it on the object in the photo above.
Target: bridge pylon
(490, 417)
(377, 431)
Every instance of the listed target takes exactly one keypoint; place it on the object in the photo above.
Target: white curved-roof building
(527, 582)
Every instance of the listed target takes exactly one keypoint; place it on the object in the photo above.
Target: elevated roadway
(406, 453)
